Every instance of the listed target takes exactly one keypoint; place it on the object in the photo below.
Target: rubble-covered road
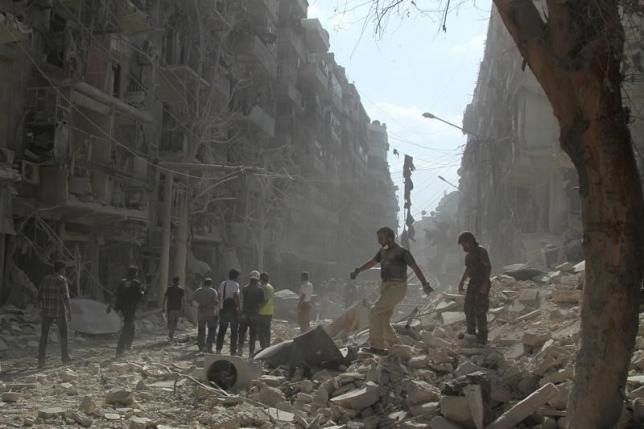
(432, 380)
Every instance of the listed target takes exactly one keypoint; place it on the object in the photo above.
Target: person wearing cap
(129, 295)
(305, 303)
(266, 312)
(173, 305)
(253, 298)
(53, 299)
(206, 300)
(477, 302)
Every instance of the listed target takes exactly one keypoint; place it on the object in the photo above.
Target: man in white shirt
(305, 304)
(229, 311)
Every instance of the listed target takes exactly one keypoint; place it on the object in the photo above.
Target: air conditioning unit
(30, 172)
(6, 155)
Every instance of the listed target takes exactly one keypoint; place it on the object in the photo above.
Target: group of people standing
(250, 309)
(229, 306)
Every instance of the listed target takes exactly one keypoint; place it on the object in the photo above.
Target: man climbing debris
(173, 305)
(253, 298)
(128, 296)
(305, 303)
(53, 298)
(206, 300)
(393, 260)
(477, 302)
(229, 311)
(266, 312)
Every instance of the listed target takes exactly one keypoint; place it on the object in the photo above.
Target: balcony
(286, 91)
(316, 37)
(252, 52)
(180, 84)
(313, 75)
(287, 40)
(95, 194)
(262, 120)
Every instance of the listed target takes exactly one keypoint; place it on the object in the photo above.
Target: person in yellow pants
(393, 260)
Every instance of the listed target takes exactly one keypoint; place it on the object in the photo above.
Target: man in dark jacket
(477, 302)
(253, 298)
(53, 298)
(129, 294)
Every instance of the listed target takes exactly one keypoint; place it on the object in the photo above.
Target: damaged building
(186, 138)
(518, 189)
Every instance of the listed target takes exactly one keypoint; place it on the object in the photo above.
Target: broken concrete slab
(452, 317)
(358, 399)
(566, 296)
(50, 413)
(474, 397)
(456, 409)
(419, 392)
(271, 396)
(120, 397)
(524, 408)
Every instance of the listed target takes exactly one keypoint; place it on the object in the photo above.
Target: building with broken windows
(518, 189)
(186, 138)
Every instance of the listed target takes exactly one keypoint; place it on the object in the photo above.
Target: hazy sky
(413, 68)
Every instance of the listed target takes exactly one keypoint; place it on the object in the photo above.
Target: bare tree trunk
(181, 238)
(164, 267)
(576, 56)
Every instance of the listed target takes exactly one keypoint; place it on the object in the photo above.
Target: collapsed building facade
(518, 189)
(186, 138)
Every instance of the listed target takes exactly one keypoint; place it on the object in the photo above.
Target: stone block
(10, 397)
(141, 423)
(428, 409)
(524, 408)
(271, 396)
(419, 392)
(359, 399)
(120, 397)
(50, 413)
(452, 317)
(457, 409)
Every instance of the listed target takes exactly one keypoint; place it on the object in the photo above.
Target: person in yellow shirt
(266, 312)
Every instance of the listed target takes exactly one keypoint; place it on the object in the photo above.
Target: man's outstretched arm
(370, 264)
(421, 277)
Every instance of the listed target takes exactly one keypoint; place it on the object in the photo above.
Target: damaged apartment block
(186, 138)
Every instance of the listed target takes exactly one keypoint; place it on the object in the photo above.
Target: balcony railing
(317, 38)
(252, 51)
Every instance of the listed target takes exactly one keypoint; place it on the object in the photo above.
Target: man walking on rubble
(393, 260)
(206, 299)
(53, 299)
(266, 312)
(305, 303)
(229, 311)
(478, 269)
(128, 296)
(253, 298)
(173, 298)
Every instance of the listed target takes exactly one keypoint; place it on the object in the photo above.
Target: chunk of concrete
(452, 317)
(50, 413)
(419, 392)
(524, 408)
(120, 397)
(529, 297)
(359, 399)
(457, 409)
(468, 367)
(141, 423)
(566, 296)
(474, 397)
(271, 396)
(428, 409)
(10, 396)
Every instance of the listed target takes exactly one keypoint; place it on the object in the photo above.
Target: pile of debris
(433, 379)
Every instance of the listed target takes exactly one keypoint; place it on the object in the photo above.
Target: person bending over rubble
(53, 298)
(477, 302)
(393, 260)
(129, 294)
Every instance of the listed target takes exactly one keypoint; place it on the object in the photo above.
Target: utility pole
(167, 229)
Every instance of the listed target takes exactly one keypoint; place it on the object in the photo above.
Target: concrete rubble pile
(434, 379)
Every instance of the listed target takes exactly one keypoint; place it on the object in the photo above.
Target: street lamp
(448, 182)
(428, 115)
